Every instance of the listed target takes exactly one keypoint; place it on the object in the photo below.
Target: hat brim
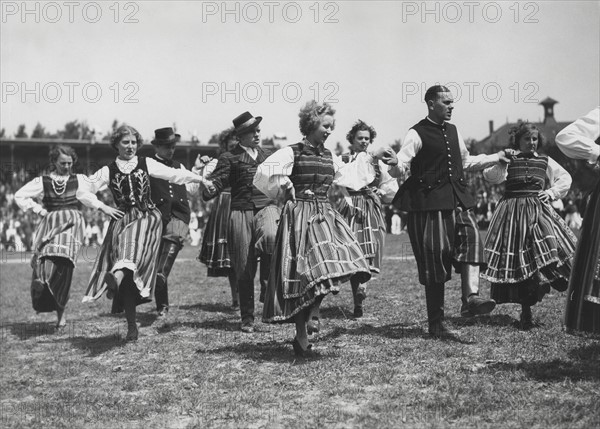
(248, 126)
(159, 142)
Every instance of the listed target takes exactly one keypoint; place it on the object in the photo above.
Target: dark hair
(311, 114)
(521, 129)
(433, 91)
(224, 137)
(360, 126)
(61, 149)
(121, 132)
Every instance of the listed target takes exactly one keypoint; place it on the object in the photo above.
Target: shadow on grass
(26, 330)
(494, 320)
(95, 346)
(395, 331)
(266, 351)
(211, 307)
(221, 324)
(583, 365)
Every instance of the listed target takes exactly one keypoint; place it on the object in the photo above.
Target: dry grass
(199, 371)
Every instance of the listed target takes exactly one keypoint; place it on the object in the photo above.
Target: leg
(235, 296)
(434, 297)
(265, 268)
(129, 303)
(358, 296)
(472, 303)
(113, 282)
(167, 255)
(243, 263)
(300, 343)
(313, 324)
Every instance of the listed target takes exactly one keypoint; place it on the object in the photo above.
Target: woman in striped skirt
(364, 212)
(214, 253)
(315, 250)
(581, 140)
(126, 264)
(60, 233)
(529, 247)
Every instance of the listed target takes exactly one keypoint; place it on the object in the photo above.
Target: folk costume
(441, 224)
(581, 140)
(57, 238)
(315, 249)
(364, 214)
(528, 247)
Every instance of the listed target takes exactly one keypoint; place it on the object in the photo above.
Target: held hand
(210, 187)
(545, 196)
(43, 212)
(388, 156)
(504, 156)
(112, 212)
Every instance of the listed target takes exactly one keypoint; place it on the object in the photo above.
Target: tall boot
(235, 295)
(472, 303)
(265, 269)
(129, 304)
(168, 253)
(434, 297)
(357, 296)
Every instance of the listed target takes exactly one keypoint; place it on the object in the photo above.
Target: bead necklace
(59, 186)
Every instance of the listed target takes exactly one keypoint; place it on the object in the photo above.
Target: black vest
(437, 181)
(170, 199)
(313, 170)
(66, 200)
(133, 189)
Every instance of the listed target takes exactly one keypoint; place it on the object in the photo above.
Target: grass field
(199, 371)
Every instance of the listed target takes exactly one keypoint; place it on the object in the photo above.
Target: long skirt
(53, 262)
(315, 252)
(214, 253)
(131, 243)
(529, 248)
(583, 296)
(369, 229)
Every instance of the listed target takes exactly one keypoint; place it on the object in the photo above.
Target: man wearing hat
(172, 201)
(253, 219)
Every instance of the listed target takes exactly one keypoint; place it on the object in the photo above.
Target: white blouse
(24, 197)
(560, 179)
(100, 179)
(272, 175)
(578, 140)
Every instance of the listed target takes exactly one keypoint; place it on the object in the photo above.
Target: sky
(196, 65)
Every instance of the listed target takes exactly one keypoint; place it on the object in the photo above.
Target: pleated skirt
(529, 248)
(370, 230)
(53, 263)
(315, 252)
(131, 243)
(214, 252)
(583, 296)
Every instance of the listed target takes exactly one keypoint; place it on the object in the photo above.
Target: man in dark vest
(173, 204)
(254, 217)
(441, 224)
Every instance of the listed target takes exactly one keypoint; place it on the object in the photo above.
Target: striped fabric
(441, 238)
(315, 249)
(214, 252)
(51, 283)
(65, 244)
(527, 238)
(370, 230)
(583, 296)
(131, 242)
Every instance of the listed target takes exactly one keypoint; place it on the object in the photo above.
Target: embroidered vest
(313, 170)
(66, 200)
(133, 189)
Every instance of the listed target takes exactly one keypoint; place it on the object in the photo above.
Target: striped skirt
(54, 259)
(583, 296)
(214, 253)
(370, 230)
(131, 243)
(441, 239)
(315, 252)
(527, 239)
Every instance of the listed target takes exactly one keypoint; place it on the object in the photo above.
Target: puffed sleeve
(89, 186)
(272, 175)
(411, 145)
(495, 174)
(560, 179)
(388, 187)
(179, 176)
(578, 140)
(24, 197)
(356, 174)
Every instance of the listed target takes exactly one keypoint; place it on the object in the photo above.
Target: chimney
(491, 127)
(548, 104)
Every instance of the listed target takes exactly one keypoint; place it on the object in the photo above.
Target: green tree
(39, 132)
(75, 130)
(2, 133)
